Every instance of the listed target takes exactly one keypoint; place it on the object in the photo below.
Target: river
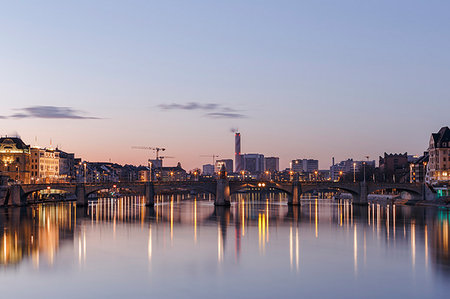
(257, 248)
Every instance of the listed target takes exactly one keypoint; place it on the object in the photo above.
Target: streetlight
(424, 171)
(315, 172)
(18, 175)
(340, 175)
(367, 157)
(268, 175)
(84, 164)
(354, 172)
(410, 173)
(243, 173)
(364, 163)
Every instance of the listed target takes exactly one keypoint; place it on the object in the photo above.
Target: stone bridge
(222, 189)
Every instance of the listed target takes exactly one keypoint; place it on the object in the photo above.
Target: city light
(186, 149)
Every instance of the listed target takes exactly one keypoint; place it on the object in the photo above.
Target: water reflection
(253, 225)
(35, 232)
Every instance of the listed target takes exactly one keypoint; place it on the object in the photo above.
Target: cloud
(189, 106)
(225, 115)
(216, 110)
(52, 112)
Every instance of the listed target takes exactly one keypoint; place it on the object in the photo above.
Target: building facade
(253, 163)
(304, 165)
(169, 174)
(228, 163)
(418, 168)
(348, 166)
(438, 170)
(237, 153)
(44, 165)
(208, 169)
(15, 160)
(67, 171)
(272, 164)
(394, 167)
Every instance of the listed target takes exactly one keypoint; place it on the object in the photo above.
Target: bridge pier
(80, 192)
(222, 193)
(428, 193)
(149, 194)
(294, 197)
(16, 196)
(361, 198)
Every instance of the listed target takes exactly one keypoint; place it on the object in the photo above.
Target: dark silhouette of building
(394, 167)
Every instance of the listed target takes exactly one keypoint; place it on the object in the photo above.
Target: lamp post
(424, 171)
(364, 163)
(354, 172)
(410, 173)
(84, 164)
(424, 177)
(367, 157)
(18, 175)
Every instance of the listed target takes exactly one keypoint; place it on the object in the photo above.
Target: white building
(44, 165)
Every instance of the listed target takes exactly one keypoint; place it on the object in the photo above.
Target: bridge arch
(411, 190)
(92, 189)
(66, 189)
(235, 188)
(352, 189)
(198, 187)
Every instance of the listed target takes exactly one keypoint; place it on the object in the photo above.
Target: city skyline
(334, 81)
(240, 148)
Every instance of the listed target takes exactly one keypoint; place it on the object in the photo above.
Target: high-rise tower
(237, 152)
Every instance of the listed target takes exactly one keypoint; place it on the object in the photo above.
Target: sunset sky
(300, 79)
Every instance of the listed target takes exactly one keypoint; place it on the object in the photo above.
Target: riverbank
(443, 203)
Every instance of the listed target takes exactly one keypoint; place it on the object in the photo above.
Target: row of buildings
(22, 163)
(433, 167)
(28, 164)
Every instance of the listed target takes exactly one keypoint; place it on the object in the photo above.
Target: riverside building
(15, 159)
(438, 170)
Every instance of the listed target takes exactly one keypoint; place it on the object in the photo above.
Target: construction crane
(213, 156)
(156, 149)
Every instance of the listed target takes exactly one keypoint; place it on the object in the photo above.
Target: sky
(299, 79)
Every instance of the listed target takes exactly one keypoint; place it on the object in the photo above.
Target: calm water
(258, 248)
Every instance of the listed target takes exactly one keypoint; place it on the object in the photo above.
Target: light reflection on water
(257, 247)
